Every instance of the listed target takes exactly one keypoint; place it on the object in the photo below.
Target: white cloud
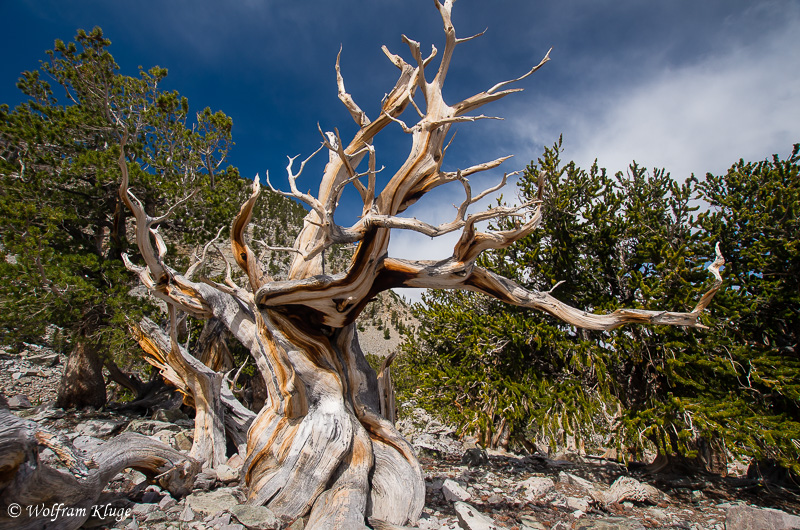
(698, 117)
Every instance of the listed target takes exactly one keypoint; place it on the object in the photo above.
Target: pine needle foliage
(63, 227)
(633, 240)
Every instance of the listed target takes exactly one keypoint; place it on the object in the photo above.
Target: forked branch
(156, 275)
(451, 274)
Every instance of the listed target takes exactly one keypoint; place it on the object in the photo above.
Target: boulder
(429, 522)
(235, 461)
(20, 401)
(569, 478)
(203, 504)
(454, 492)
(99, 428)
(255, 517)
(183, 442)
(226, 474)
(150, 427)
(169, 416)
(471, 519)
(537, 487)
(166, 503)
(743, 517)
(579, 503)
(205, 480)
(143, 509)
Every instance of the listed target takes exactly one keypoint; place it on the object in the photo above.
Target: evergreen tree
(755, 214)
(627, 241)
(63, 224)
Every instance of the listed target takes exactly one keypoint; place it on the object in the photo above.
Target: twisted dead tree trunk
(218, 412)
(320, 446)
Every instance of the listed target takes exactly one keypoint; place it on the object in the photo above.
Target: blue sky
(687, 85)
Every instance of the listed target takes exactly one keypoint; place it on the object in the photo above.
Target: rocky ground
(467, 488)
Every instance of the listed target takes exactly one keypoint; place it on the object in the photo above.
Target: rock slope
(467, 488)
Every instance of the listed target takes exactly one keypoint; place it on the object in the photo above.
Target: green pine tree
(63, 228)
(631, 240)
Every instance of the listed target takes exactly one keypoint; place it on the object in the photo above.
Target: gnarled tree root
(65, 498)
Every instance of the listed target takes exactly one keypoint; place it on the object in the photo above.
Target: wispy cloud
(741, 100)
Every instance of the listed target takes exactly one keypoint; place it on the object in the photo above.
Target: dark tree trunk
(82, 384)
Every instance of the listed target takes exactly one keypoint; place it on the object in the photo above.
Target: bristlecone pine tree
(320, 446)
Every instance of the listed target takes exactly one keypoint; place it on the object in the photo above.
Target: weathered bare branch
(498, 86)
(455, 274)
(445, 11)
(461, 119)
(406, 128)
(358, 115)
(417, 55)
(242, 253)
(174, 207)
(478, 100)
(200, 261)
(719, 261)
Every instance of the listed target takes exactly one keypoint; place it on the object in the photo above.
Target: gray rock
(429, 522)
(143, 509)
(165, 436)
(50, 359)
(557, 499)
(235, 461)
(494, 498)
(578, 503)
(98, 428)
(233, 526)
(156, 516)
(150, 427)
(454, 492)
(471, 519)
(428, 435)
(203, 503)
(531, 523)
(569, 478)
(187, 514)
(537, 487)
(205, 480)
(220, 520)
(183, 442)
(610, 523)
(435, 484)
(743, 517)
(169, 416)
(226, 473)
(255, 517)
(20, 401)
(167, 502)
